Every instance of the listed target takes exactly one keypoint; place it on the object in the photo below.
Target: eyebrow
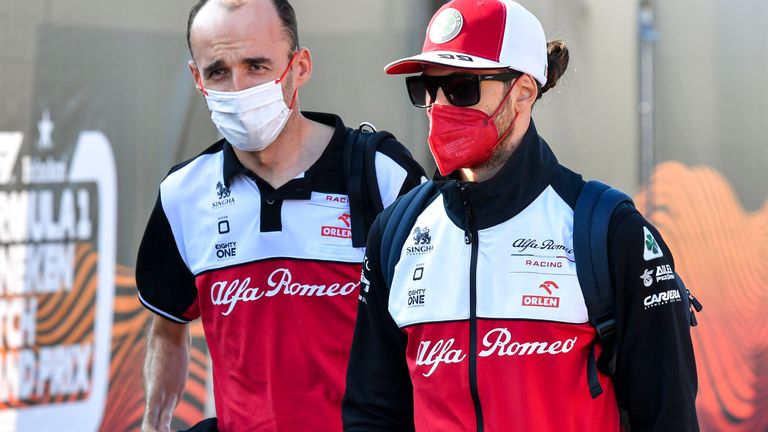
(257, 61)
(208, 70)
(251, 61)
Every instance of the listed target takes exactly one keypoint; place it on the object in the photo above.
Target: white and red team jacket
(485, 328)
(273, 275)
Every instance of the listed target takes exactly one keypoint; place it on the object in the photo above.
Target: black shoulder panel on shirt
(567, 184)
(213, 148)
(163, 279)
(396, 151)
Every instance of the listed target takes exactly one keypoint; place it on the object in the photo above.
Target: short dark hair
(284, 11)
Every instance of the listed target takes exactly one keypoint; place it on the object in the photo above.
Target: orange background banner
(721, 251)
(125, 400)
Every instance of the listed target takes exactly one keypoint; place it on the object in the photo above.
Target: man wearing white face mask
(254, 236)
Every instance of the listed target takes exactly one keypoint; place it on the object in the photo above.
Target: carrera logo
(496, 342)
(338, 232)
(666, 297)
(543, 301)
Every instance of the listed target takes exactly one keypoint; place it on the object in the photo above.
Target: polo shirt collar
(298, 188)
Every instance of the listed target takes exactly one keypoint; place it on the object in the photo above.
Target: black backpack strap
(359, 162)
(398, 227)
(592, 215)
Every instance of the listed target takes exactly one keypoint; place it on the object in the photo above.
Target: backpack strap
(398, 227)
(359, 162)
(592, 215)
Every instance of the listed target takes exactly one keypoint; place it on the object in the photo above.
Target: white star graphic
(45, 128)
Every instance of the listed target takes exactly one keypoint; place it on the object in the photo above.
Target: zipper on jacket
(471, 237)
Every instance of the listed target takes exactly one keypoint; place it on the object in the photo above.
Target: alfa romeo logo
(446, 26)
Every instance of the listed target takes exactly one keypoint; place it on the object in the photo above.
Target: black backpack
(359, 162)
(594, 207)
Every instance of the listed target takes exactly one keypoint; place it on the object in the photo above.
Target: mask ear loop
(498, 110)
(282, 77)
(506, 96)
(200, 83)
(287, 68)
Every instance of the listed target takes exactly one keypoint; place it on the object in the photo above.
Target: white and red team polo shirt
(273, 275)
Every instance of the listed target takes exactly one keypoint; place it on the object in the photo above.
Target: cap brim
(415, 64)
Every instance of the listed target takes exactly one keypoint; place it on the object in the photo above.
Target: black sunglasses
(461, 89)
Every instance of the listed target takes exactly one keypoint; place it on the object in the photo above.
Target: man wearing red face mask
(476, 320)
(256, 235)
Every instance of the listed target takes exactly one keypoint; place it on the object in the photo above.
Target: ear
(196, 76)
(302, 67)
(526, 93)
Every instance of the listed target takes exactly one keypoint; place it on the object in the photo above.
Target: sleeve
(379, 395)
(655, 377)
(396, 170)
(166, 286)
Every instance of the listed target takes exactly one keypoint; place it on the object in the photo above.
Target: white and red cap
(481, 34)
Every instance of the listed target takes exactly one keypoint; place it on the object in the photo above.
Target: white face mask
(250, 119)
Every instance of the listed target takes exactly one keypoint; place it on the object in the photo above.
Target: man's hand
(165, 373)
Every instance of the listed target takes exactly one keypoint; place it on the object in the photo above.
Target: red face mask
(461, 137)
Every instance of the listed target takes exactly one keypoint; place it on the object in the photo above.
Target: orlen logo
(543, 301)
(339, 232)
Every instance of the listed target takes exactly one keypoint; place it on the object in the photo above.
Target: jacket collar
(522, 178)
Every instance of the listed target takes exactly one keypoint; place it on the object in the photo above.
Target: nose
(240, 81)
(440, 97)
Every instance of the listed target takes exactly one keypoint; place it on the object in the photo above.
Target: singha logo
(222, 190)
(421, 236)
